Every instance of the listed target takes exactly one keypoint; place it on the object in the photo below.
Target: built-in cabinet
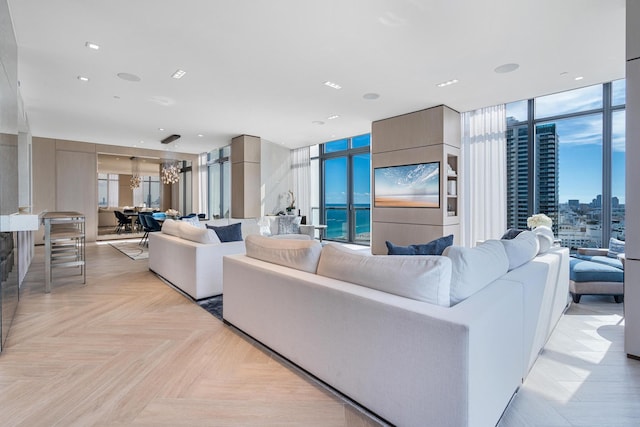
(426, 136)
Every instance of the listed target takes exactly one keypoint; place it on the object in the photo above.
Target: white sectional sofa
(190, 258)
(418, 340)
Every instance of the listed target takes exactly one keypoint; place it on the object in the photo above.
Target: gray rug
(213, 305)
(131, 249)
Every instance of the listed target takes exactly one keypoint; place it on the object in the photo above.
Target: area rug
(132, 249)
(213, 305)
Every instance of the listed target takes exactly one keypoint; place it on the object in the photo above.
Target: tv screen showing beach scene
(408, 186)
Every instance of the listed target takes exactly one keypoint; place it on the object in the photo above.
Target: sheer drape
(484, 179)
(301, 177)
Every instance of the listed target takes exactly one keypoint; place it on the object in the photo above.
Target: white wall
(275, 177)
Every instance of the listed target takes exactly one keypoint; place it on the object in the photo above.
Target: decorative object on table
(538, 220)
(170, 172)
(292, 202)
(172, 213)
(541, 225)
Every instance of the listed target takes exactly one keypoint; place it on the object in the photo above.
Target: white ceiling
(257, 67)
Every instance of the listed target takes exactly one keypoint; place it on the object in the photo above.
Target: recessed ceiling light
(371, 96)
(200, 135)
(141, 142)
(447, 83)
(578, 78)
(178, 74)
(161, 129)
(333, 117)
(318, 122)
(83, 78)
(506, 68)
(332, 84)
(91, 45)
(129, 77)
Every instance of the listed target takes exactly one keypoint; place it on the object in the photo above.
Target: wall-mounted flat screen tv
(407, 186)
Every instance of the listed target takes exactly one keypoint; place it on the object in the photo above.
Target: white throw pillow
(475, 268)
(419, 277)
(170, 227)
(521, 249)
(264, 226)
(299, 254)
(197, 234)
(545, 238)
(194, 220)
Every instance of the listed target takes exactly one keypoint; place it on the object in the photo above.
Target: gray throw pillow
(289, 224)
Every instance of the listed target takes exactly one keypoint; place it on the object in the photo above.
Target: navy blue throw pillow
(228, 233)
(434, 247)
(511, 234)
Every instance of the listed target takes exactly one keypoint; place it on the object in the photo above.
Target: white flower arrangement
(538, 220)
(172, 212)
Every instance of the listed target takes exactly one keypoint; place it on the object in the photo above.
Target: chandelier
(169, 173)
(135, 174)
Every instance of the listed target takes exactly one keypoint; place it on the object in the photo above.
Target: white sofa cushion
(521, 249)
(299, 254)
(475, 268)
(197, 234)
(545, 238)
(420, 277)
(170, 227)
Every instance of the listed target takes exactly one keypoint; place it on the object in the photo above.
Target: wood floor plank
(128, 349)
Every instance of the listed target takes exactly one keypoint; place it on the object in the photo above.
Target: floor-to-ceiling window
(565, 158)
(148, 193)
(345, 179)
(107, 190)
(219, 182)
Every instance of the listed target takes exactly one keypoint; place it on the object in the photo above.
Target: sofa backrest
(185, 230)
(421, 277)
(293, 253)
(474, 268)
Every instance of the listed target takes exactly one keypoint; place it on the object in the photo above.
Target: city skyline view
(580, 139)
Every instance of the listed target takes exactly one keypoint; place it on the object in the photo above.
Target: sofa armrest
(593, 251)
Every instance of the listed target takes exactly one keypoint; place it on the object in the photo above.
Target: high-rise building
(546, 173)
(517, 174)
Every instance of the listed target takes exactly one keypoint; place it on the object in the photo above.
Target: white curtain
(203, 181)
(301, 177)
(484, 179)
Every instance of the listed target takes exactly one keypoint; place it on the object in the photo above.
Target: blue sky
(580, 140)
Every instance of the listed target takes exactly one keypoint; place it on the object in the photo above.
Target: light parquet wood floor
(127, 349)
